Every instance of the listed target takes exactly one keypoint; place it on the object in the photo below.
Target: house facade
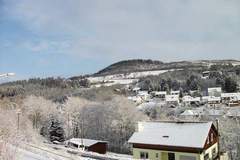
(230, 99)
(216, 91)
(175, 141)
(172, 100)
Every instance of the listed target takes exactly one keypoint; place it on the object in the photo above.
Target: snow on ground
(125, 78)
(84, 155)
(32, 152)
(116, 81)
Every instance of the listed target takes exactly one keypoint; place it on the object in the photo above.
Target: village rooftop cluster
(214, 96)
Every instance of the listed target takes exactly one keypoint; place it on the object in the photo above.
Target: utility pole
(82, 132)
(18, 119)
(68, 125)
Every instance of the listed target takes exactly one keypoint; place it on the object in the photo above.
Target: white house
(230, 98)
(216, 91)
(205, 74)
(174, 92)
(191, 113)
(159, 94)
(190, 99)
(144, 95)
(172, 99)
(136, 89)
(175, 141)
(212, 100)
(137, 100)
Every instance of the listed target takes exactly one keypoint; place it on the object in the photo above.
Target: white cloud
(160, 29)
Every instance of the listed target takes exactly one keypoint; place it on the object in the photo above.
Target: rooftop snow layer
(190, 134)
(86, 142)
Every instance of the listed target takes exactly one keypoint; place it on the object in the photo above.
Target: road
(34, 153)
(27, 155)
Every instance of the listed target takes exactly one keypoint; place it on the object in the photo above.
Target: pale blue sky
(65, 38)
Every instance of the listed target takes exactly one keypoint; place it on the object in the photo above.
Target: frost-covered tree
(39, 110)
(113, 120)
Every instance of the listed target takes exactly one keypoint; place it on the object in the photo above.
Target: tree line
(189, 81)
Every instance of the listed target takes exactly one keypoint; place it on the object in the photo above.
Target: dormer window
(211, 137)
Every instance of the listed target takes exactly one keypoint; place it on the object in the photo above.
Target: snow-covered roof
(159, 92)
(190, 113)
(85, 142)
(211, 98)
(215, 89)
(147, 105)
(226, 95)
(172, 98)
(135, 98)
(136, 89)
(187, 134)
(175, 92)
(143, 93)
(206, 72)
(191, 99)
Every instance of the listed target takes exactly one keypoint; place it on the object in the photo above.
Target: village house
(144, 95)
(175, 141)
(230, 99)
(216, 91)
(190, 114)
(205, 74)
(191, 100)
(135, 99)
(136, 89)
(159, 94)
(211, 100)
(175, 93)
(88, 145)
(172, 100)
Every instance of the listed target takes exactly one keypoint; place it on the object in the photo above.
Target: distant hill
(135, 65)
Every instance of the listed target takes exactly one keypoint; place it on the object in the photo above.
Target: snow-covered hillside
(123, 78)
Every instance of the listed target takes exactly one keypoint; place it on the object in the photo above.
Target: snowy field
(59, 152)
(129, 78)
(30, 152)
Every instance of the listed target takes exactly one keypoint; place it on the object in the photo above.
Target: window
(214, 153)
(143, 155)
(206, 156)
(211, 137)
(208, 141)
(171, 156)
(156, 155)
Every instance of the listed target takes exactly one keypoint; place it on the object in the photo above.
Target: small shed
(89, 145)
